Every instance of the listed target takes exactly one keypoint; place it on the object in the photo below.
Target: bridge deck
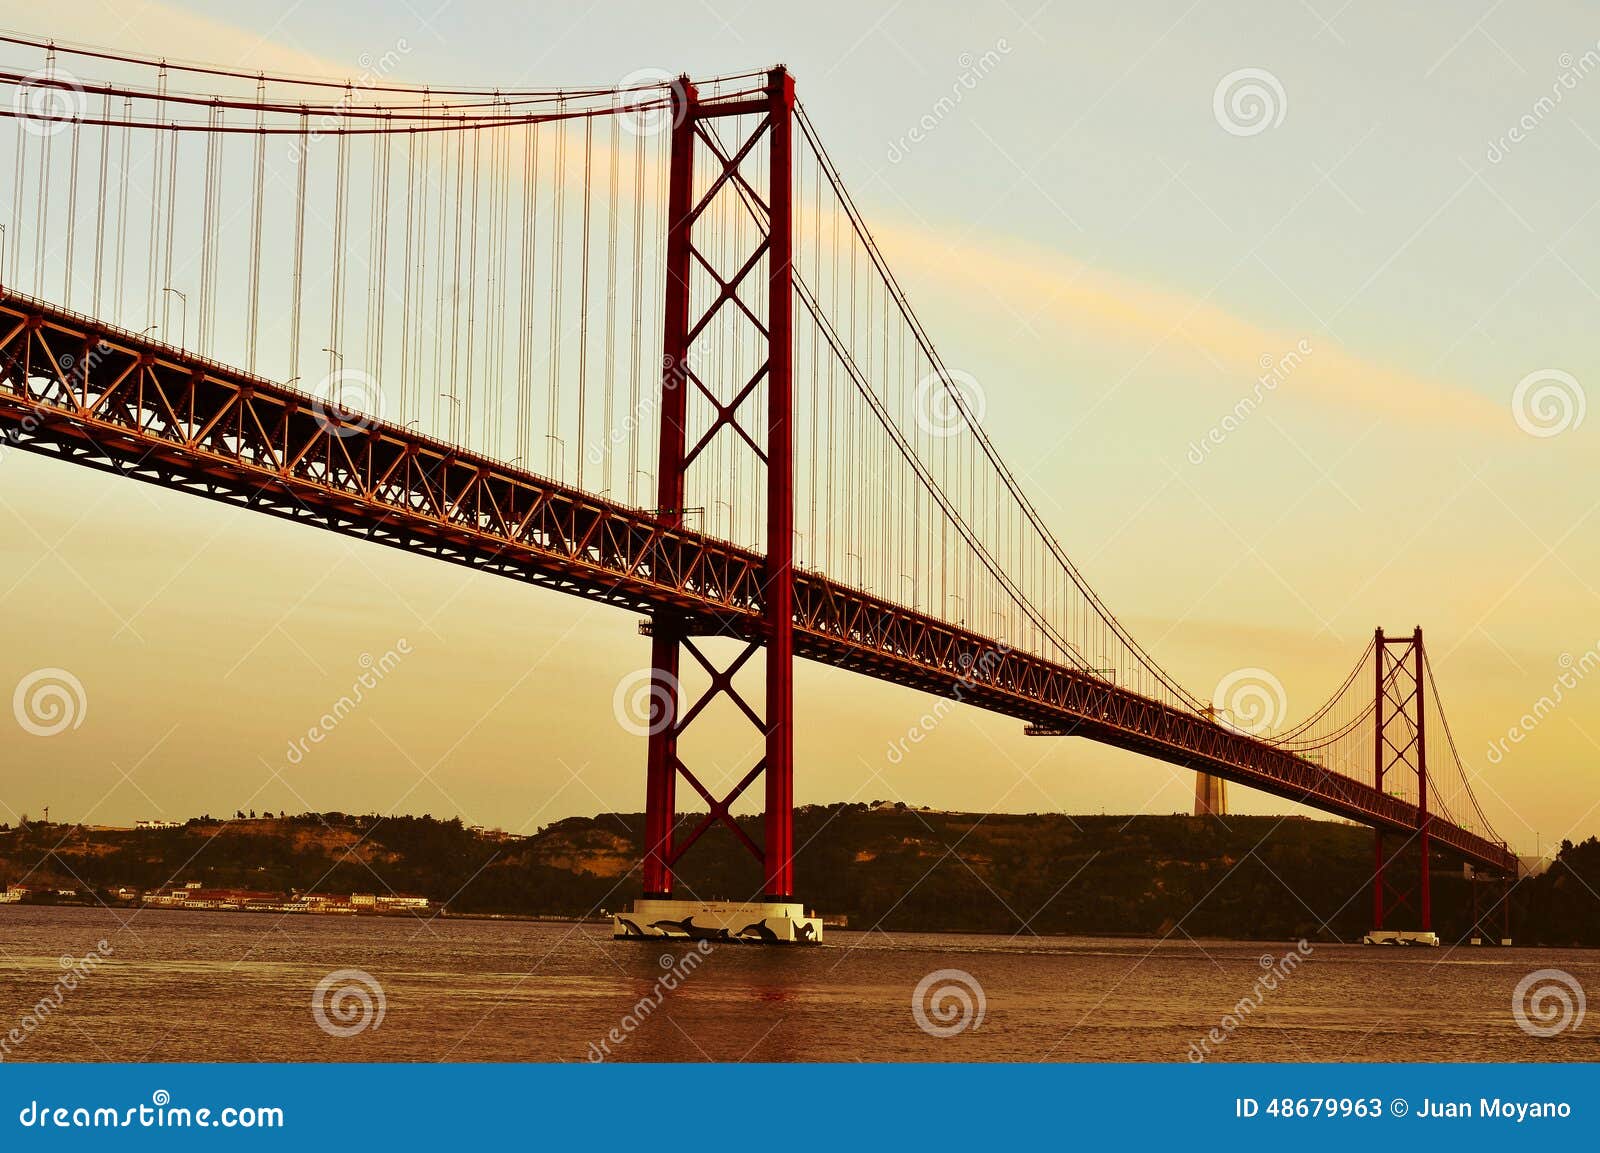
(103, 397)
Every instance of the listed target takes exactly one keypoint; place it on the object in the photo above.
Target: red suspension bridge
(634, 344)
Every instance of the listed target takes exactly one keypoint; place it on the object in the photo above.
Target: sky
(1127, 212)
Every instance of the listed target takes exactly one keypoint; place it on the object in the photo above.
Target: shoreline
(343, 915)
(550, 918)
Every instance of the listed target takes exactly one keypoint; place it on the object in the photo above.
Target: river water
(181, 986)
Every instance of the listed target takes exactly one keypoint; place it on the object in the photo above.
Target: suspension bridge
(635, 344)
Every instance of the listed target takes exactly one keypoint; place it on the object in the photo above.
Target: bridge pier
(1501, 886)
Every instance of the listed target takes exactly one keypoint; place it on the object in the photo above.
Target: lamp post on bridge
(454, 412)
(183, 315)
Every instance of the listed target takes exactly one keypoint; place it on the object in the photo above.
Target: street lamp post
(451, 397)
(183, 316)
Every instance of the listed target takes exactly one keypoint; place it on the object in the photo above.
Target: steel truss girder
(164, 416)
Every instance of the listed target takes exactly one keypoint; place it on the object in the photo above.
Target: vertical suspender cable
(100, 204)
(158, 141)
(440, 384)
(455, 287)
(372, 281)
(508, 186)
(14, 264)
(297, 288)
(525, 343)
(257, 210)
(583, 297)
(72, 218)
(608, 427)
(558, 222)
(407, 321)
(123, 182)
(165, 280)
(336, 288)
(208, 225)
(636, 431)
(472, 288)
(42, 226)
(382, 229)
(490, 332)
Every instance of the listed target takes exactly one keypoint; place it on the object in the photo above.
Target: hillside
(903, 869)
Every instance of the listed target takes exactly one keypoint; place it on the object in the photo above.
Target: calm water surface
(233, 987)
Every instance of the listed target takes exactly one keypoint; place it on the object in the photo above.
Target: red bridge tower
(765, 116)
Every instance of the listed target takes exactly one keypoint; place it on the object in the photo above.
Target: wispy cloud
(1186, 329)
(147, 28)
